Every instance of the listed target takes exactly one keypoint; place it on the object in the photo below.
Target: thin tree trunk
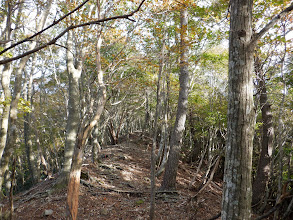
(27, 126)
(5, 81)
(263, 170)
(155, 134)
(112, 133)
(6, 71)
(147, 113)
(165, 153)
(11, 140)
(73, 119)
(85, 131)
(169, 180)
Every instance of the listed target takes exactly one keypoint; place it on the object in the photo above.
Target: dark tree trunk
(112, 133)
(263, 170)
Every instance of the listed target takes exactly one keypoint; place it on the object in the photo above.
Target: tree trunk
(74, 181)
(163, 152)
(5, 82)
(11, 140)
(238, 162)
(170, 174)
(263, 170)
(155, 134)
(85, 131)
(6, 71)
(73, 119)
(27, 126)
(74, 177)
(112, 133)
(147, 113)
(236, 202)
(96, 148)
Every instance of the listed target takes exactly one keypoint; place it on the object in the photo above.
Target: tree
(73, 119)
(170, 174)
(236, 202)
(264, 166)
(84, 132)
(14, 100)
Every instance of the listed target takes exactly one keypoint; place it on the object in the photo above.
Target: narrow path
(117, 187)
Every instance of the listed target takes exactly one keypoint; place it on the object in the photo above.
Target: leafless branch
(269, 25)
(53, 41)
(40, 32)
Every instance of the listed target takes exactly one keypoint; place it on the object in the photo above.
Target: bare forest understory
(117, 187)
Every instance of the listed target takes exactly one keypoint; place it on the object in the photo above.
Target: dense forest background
(103, 70)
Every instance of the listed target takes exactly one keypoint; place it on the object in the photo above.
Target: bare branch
(262, 32)
(40, 32)
(53, 41)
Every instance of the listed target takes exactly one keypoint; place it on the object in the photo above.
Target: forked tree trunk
(74, 177)
(169, 180)
(84, 132)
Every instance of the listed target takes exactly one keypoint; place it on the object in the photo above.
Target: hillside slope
(118, 188)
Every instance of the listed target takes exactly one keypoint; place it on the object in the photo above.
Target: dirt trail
(118, 188)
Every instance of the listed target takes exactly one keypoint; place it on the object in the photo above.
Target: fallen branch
(285, 195)
(130, 192)
(210, 178)
(275, 208)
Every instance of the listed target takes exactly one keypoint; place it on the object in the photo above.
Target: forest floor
(118, 188)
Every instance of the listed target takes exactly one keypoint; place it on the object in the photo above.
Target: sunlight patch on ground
(127, 175)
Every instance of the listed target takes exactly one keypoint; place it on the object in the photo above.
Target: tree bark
(5, 81)
(27, 125)
(85, 131)
(155, 134)
(263, 170)
(169, 180)
(236, 202)
(11, 140)
(73, 119)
